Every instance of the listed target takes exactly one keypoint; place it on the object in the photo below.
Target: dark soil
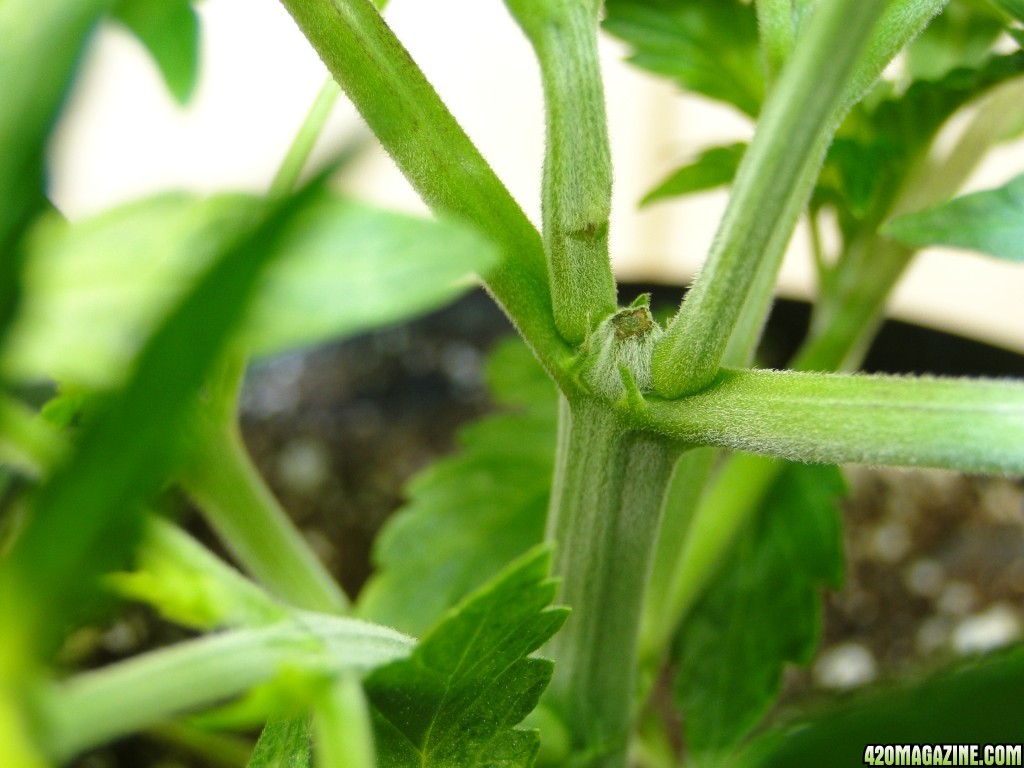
(935, 560)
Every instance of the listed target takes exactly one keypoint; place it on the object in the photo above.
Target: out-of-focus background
(123, 136)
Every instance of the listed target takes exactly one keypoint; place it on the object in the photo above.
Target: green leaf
(284, 743)
(455, 701)
(42, 43)
(1015, 8)
(960, 36)
(709, 48)
(85, 518)
(930, 711)
(470, 514)
(991, 221)
(912, 118)
(762, 611)
(170, 31)
(713, 168)
(95, 289)
(881, 141)
(348, 268)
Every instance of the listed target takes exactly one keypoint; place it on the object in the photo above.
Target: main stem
(604, 518)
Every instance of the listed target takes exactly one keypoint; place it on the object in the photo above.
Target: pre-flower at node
(623, 340)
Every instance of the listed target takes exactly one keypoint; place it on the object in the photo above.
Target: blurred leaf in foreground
(170, 31)
(95, 289)
(86, 517)
(284, 743)
(42, 41)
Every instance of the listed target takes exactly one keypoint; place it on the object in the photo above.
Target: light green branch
(577, 166)
(776, 25)
(963, 424)
(95, 707)
(823, 78)
(605, 513)
(288, 173)
(234, 498)
(437, 157)
(771, 187)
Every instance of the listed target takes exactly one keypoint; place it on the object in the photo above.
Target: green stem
(342, 728)
(577, 166)
(963, 424)
(604, 517)
(220, 475)
(215, 749)
(719, 515)
(683, 499)
(288, 173)
(777, 29)
(849, 311)
(234, 498)
(437, 157)
(95, 707)
(774, 181)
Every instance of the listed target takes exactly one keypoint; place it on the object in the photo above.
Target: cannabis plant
(662, 517)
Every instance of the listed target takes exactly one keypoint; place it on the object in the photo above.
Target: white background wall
(123, 137)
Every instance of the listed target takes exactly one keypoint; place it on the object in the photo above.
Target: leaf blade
(169, 29)
(95, 288)
(713, 168)
(732, 647)
(672, 38)
(457, 698)
(284, 743)
(990, 221)
(90, 503)
(472, 513)
(926, 711)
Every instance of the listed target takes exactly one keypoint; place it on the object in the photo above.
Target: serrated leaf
(991, 222)
(456, 700)
(762, 611)
(284, 743)
(709, 48)
(930, 711)
(881, 140)
(169, 29)
(96, 288)
(470, 514)
(713, 168)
